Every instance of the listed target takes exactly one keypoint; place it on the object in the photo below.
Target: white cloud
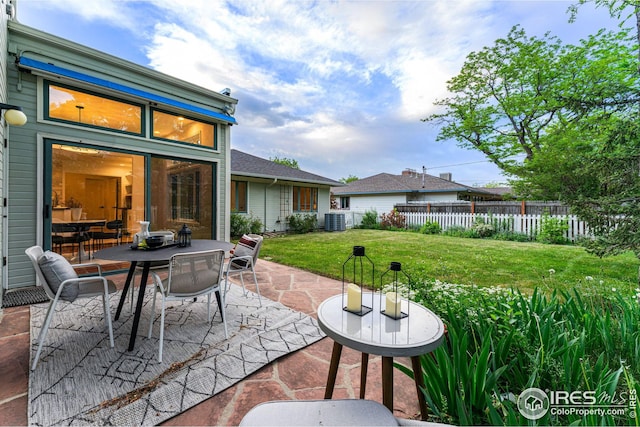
(338, 85)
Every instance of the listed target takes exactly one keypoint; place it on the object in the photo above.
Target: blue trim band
(50, 68)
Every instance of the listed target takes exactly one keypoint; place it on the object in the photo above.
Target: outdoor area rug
(80, 380)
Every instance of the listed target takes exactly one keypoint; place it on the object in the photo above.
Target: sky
(338, 86)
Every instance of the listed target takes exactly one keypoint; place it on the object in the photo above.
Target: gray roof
(416, 182)
(244, 164)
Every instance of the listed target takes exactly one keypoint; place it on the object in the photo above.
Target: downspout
(265, 202)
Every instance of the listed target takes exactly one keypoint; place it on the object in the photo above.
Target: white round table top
(421, 332)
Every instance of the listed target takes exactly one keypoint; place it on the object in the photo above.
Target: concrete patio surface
(297, 376)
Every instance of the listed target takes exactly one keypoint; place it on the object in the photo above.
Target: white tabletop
(374, 333)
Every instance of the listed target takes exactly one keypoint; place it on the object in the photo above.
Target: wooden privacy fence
(525, 224)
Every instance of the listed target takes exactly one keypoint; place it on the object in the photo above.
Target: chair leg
(153, 314)
(107, 314)
(244, 291)
(209, 307)
(161, 331)
(43, 332)
(255, 280)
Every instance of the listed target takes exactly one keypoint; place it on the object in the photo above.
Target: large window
(305, 199)
(238, 196)
(182, 193)
(89, 109)
(183, 129)
(93, 187)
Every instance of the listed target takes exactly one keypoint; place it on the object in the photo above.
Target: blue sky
(339, 86)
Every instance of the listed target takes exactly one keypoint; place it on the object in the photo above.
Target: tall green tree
(511, 101)
(350, 178)
(292, 163)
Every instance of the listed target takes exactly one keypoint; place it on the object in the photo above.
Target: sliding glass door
(89, 189)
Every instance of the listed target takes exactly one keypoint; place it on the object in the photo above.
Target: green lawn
(482, 262)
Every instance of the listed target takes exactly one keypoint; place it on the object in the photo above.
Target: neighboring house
(123, 141)
(272, 192)
(383, 191)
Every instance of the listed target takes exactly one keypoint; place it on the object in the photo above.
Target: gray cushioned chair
(61, 284)
(190, 275)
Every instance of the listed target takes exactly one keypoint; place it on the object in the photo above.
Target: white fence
(525, 224)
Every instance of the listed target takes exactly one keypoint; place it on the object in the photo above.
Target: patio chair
(190, 275)
(243, 258)
(62, 284)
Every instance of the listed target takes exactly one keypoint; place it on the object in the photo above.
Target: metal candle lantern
(392, 305)
(184, 236)
(354, 289)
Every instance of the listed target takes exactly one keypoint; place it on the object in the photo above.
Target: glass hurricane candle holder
(392, 304)
(353, 290)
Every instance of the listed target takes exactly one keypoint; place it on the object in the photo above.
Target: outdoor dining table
(147, 257)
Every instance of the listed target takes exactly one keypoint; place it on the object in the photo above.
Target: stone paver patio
(301, 375)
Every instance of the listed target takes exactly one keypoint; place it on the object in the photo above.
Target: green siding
(24, 218)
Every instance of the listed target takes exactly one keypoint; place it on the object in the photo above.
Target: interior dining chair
(190, 275)
(113, 232)
(243, 259)
(62, 284)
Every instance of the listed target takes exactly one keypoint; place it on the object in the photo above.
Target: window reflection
(182, 193)
(97, 186)
(80, 107)
(183, 129)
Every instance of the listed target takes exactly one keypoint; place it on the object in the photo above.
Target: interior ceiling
(100, 158)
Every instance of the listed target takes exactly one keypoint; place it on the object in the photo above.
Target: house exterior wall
(25, 152)
(433, 197)
(271, 202)
(382, 203)
(3, 134)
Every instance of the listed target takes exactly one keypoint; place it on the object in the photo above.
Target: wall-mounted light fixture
(14, 115)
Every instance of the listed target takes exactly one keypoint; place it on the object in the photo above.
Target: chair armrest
(80, 280)
(158, 281)
(90, 264)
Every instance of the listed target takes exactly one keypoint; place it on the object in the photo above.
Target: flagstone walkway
(297, 376)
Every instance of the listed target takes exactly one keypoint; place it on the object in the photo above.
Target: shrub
(244, 224)
(255, 225)
(302, 223)
(483, 229)
(239, 224)
(370, 220)
(431, 227)
(393, 220)
(456, 231)
(553, 230)
(501, 342)
(512, 236)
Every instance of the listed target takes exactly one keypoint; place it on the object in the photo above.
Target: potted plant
(76, 209)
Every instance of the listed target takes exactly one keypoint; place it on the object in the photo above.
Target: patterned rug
(80, 380)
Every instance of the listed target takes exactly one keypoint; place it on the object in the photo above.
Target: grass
(481, 262)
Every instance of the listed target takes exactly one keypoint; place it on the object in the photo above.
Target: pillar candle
(392, 307)
(354, 300)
